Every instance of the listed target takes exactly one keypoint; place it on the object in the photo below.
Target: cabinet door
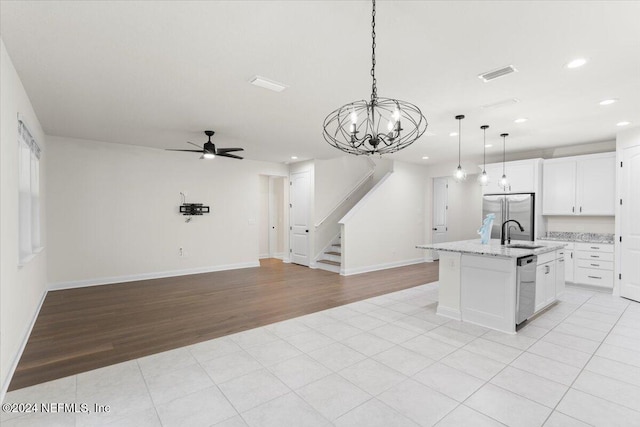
(596, 186)
(550, 282)
(521, 177)
(559, 187)
(560, 273)
(541, 299)
(568, 265)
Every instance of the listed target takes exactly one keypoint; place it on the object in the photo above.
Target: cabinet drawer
(599, 247)
(591, 276)
(546, 257)
(600, 256)
(598, 265)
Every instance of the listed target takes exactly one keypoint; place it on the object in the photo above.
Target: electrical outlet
(181, 252)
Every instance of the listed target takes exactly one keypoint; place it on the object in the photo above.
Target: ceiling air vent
(503, 103)
(492, 75)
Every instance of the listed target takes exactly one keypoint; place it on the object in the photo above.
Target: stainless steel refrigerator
(518, 206)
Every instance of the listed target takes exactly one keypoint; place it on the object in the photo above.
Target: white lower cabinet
(560, 272)
(594, 264)
(546, 280)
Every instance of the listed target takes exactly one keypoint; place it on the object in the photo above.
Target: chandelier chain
(374, 89)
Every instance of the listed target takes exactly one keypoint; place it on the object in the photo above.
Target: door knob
(434, 229)
(306, 231)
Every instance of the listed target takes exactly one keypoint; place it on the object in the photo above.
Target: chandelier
(378, 126)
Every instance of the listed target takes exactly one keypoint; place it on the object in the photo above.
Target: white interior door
(299, 198)
(273, 219)
(630, 225)
(439, 226)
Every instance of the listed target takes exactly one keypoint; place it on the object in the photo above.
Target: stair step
(326, 261)
(333, 253)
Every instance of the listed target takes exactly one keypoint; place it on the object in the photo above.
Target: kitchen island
(478, 283)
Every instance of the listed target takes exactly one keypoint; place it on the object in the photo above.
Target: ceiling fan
(209, 150)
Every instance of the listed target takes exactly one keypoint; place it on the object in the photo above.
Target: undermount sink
(520, 246)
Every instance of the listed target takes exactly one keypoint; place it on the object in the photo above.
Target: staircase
(331, 259)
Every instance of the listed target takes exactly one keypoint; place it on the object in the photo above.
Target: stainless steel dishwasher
(525, 287)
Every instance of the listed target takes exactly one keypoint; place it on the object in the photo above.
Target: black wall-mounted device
(193, 209)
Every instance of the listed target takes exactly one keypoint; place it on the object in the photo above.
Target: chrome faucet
(505, 232)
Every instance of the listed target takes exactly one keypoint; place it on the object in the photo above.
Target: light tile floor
(387, 361)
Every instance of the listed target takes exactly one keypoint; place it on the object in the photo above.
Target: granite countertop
(494, 248)
(567, 236)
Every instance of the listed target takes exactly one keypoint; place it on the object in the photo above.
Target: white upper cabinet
(581, 185)
(559, 187)
(523, 177)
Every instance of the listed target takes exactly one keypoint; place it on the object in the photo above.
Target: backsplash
(581, 224)
(579, 237)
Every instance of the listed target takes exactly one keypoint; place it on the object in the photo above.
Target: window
(29, 194)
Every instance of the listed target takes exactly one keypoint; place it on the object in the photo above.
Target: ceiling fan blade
(190, 151)
(228, 150)
(199, 146)
(233, 156)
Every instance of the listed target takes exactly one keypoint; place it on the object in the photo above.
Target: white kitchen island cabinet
(478, 283)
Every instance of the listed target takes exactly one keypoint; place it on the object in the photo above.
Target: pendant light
(483, 178)
(504, 182)
(378, 126)
(459, 174)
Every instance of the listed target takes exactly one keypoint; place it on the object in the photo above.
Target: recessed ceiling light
(608, 101)
(623, 123)
(489, 145)
(294, 157)
(520, 120)
(267, 84)
(576, 63)
(453, 134)
(425, 157)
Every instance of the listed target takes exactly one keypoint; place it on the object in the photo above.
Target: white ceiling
(157, 73)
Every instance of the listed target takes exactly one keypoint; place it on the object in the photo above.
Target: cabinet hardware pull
(595, 265)
(595, 256)
(594, 277)
(595, 247)
(580, 208)
(573, 209)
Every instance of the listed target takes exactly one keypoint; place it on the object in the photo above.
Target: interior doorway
(439, 224)
(272, 230)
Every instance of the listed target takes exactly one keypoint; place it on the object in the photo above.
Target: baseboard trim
(147, 276)
(448, 312)
(25, 339)
(377, 267)
(263, 256)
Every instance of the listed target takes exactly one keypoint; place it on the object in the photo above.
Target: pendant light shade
(504, 182)
(483, 178)
(459, 174)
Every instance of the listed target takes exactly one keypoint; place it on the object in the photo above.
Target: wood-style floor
(82, 329)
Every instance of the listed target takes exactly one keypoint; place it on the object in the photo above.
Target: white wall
(21, 289)
(384, 228)
(115, 210)
(335, 179)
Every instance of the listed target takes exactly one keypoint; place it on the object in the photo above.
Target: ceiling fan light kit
(378, 126)
(209, 150)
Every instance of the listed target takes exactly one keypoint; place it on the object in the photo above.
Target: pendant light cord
(503, 153)
(374, 89)
(484, 150)
(459, 139)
